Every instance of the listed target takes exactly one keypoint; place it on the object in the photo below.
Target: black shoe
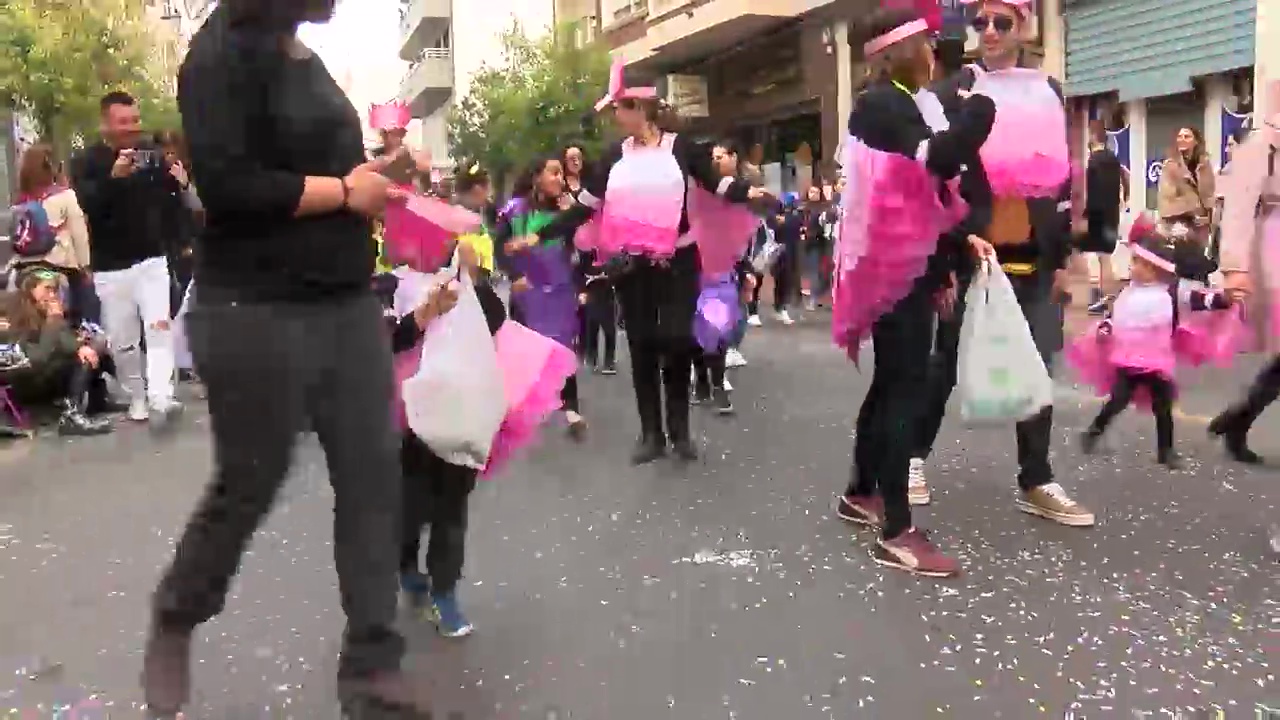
(723, 402)
(701, 394)
(1235, 437)
(384, 696)
(166, 673)
(610, 368)
(684, 450)
(648, 450)
(76, 424)
(1089, 441)
(1169, 459)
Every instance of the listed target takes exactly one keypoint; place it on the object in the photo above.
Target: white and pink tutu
(1026, 153)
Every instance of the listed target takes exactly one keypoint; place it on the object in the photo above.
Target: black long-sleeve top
(886, 118)
(259, 121)
(406, 333)
(695, 162)
(1050, 246)
(128, 217)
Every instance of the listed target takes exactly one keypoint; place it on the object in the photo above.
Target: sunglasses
(1002, 23)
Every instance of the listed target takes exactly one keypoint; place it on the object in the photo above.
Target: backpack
(30, 231)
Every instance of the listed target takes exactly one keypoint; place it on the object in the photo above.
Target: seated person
(62, 367)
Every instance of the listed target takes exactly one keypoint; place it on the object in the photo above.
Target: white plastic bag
(456, 402)
(1001, 377)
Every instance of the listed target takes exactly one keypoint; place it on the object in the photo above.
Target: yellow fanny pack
(1019, 269)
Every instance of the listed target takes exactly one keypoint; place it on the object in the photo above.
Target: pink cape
(1201, 338)
(889, 228)
(1026, 153)
(534, 369)
(723, 231)
(421, 231)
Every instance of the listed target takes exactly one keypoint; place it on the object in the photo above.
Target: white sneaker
(917, 487)
(138, 410)
(727, 386)
(733, 358)
(754, 321)
(784, 317)
(165, 416)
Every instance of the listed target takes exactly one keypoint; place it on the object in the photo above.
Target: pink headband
(896, 35)
(394, 115)
(1140, 251)
(619, 91)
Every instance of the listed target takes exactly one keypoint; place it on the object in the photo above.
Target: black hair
(267, 16)
(526, 185)
(469, 176)
(116, 97)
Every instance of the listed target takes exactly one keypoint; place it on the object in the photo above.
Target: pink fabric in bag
(534, 369)
(1026, 153)
(723, 231)
(890, 227)
(420, 232)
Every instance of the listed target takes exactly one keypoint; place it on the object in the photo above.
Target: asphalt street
(725, 589)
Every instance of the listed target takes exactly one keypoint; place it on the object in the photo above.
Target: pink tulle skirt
(635, 222)
(420, 232)
(1026, 154)
(890, 227)
(534, 369)
(722, 230)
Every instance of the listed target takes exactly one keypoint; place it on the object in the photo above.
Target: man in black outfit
(1106, 192)
(287, 335)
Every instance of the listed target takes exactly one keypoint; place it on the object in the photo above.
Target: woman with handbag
(1185, 202)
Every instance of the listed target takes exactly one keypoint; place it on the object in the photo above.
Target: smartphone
(402, 169)
(146, 159)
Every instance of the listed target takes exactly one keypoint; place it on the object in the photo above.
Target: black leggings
(1122, 389)
(660, 371)
(569, 394)
(783, 272)
(753, 305)
(600, 317)
(709, 371)
(435, 494)
(887, 426)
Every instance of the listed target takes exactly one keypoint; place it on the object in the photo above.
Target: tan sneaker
(917, 486)
(1051, 502)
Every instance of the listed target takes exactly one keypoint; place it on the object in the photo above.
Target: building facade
(440, 69)
(1146, 68)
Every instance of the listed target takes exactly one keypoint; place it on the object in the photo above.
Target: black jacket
(129, 218)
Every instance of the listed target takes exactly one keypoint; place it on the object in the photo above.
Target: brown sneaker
(1051, 502)
(913, 552)
(166, 672)
(867, 511)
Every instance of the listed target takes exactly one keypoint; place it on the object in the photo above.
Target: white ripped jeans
(136, 301)
(181, 348)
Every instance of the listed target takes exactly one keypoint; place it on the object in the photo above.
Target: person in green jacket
(47, 360)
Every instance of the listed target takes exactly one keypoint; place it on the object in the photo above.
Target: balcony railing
(662, 7)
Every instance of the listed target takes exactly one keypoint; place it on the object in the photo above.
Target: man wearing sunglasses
(1032, 239)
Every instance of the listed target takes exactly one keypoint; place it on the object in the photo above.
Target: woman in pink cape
(643, 195)
(890, 277)
(1250, 261)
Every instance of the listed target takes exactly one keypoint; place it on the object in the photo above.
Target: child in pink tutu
(436, 492)
(1140, 337)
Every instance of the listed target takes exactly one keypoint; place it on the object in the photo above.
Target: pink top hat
(394, 115)
(1023, 7)
(618, 89)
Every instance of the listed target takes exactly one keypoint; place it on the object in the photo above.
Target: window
(623, 9)
(169, 10)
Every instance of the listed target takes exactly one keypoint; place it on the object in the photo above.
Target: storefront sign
(1155, 168)
(1118, 143)
(688, 95)
(1231, 122)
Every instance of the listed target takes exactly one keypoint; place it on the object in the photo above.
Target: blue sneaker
(448, 616)
(416, 590)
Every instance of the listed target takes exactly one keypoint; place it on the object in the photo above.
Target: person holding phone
(126, 191)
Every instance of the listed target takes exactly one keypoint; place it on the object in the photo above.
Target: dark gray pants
(273, 370)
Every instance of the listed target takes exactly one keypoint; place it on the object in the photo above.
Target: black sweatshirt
(259, 122)
(128, 217)
(887, 119)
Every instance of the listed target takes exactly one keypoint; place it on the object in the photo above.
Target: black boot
(678, 425)
(653, 442)
(650, 447)
(166, 672)
(1169, 458)
(1089, 440)
(1234, 423)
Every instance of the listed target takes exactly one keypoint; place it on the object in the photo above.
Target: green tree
(540, 97)
(60, 56)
